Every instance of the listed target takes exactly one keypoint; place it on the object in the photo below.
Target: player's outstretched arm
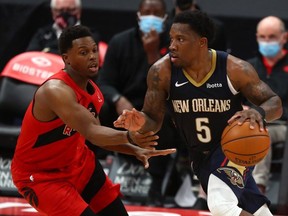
(140, 153)
(54, 98)
(154, 108)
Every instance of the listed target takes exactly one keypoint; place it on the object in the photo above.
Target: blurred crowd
(124, 62)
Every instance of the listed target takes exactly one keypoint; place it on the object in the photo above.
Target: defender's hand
(144, 154)
(146, 140)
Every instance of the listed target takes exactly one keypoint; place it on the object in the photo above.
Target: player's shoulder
(240, 71)
(160, 72)
(237, 64)
(54, 87)
(163, 62)
(161, 66)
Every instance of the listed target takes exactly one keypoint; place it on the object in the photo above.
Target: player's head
(70, 34)
(79, 51)
(66, 12)
(151, 15)
(199, 22)
(271, 36)
(189, 34)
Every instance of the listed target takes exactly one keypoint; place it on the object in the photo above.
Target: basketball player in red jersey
(52, 167)
(203, 89)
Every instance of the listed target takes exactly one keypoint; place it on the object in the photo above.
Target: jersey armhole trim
(232, 89)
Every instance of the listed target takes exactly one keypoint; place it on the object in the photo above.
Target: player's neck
(200, 66)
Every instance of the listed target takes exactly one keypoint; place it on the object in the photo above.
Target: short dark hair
(184, 4)
(71, 33)
(198, 21)
(161, 1)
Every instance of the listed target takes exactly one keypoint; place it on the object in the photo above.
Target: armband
(262, 113)
(260, 110)
(115, 98)
(130, 139)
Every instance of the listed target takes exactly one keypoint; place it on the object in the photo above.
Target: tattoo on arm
(257, 94)
(246, 80)
(261, 94)
(155, 98)
(250, 84)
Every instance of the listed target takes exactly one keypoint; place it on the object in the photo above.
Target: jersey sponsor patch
(214, 85)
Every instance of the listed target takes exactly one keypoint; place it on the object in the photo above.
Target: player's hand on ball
(254, 117)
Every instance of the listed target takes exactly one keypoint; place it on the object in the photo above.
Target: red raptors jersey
(53, 145)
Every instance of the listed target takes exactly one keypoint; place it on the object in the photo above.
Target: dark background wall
(19, 19)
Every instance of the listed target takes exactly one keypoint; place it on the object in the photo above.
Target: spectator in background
(271, 63)
(65, 13)
(122, 79)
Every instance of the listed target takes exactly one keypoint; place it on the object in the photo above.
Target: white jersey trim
(232, 89)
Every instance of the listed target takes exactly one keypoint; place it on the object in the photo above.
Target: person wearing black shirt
(271, 63)
(122, 78)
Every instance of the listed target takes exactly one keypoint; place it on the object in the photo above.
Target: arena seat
(102, 46)
(18, 81)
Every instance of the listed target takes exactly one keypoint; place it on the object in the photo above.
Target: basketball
(245, 146)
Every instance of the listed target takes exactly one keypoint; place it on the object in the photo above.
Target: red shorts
(54, 195)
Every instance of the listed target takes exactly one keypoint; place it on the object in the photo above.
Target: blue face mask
(269, 49)
(149, 22)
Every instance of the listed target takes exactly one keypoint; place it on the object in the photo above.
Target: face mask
(149, 22)
(65, 20)
(269, 49)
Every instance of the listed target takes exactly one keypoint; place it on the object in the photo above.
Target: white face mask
(149, 22)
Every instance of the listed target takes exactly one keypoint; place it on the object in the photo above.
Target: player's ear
(65, 58)
(203, 41)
